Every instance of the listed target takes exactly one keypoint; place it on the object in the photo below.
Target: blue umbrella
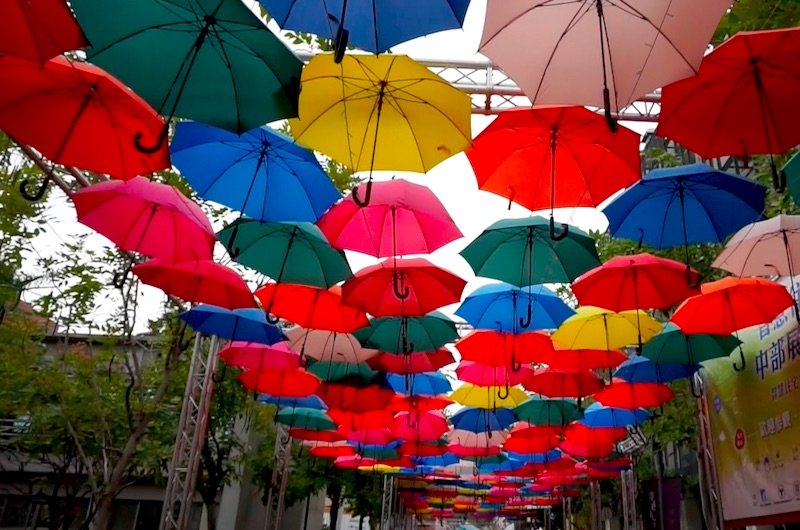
(260, 173)
(310, 402)
(507, 308)
(442, 460)
(372, 25)
(640, 369)
(506, 465)
(482, 420)
(537, 458)
(237, 324)
(424, 384)
(597, 416)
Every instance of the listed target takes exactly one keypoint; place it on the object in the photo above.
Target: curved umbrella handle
(272, 319)
(612, 123)
(36, 195)
(511, 197)
(367, 195)
(401, 291)
(150, 149)
(525, 322)
(504, 392)
(340, 44)
(737, 368)
(515, 366)
(408, 347)
(562, 232)
(232, 249)
(697, 390)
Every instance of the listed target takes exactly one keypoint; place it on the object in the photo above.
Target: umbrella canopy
(596, 328)
(673, 346)
(364, 397)
(411, 363)
(398, 114)
(598, 53)
(640, 369)
(194, 59)
(424, 384)
(766, 248)
(141, 216)
(488, 397)
(585, 442)
(488, 375)
(585, 359)
(328, 346)
(561, 383)
(76, 114)
(287, 383)
(239, 325)
(329, 435)
(683, 205)
(311, 307)
(303, 418)
(400, 218)
(624, 395)
(255, 356)
(40, 30)
(201, 281)
(286, 252)
(429, 426)
(402, 287)
(335, 371)
(310, 402)
(504, 307)
(598, 416)
(468, 439)
(419, 403)
(526, 438)
(504, 349)
(540, 411)
(482, 420)
(261, 173)
(554, 157)
(641, 281)
(521, 252)
(408, 334)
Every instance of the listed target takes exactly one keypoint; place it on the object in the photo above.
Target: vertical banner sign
(661, 504)
(755, 421)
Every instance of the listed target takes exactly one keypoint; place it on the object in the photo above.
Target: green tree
(748, 15)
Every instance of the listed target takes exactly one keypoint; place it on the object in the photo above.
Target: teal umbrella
(673, 346)
(286, 252)
(542, 411)
(521, 252)
(305, 418)
(335, 371)
(212, 61)
(406, 334)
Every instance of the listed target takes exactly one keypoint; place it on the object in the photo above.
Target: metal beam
(280, 477)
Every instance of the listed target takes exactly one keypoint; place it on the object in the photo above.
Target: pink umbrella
(328, 346)
(255, 356)
(392, 218)
(411, 363)
(765, 248)
(425, 427)
(487, 375)
(476, 439)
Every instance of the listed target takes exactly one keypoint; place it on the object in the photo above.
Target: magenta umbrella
(488, 375)
(255, 356)
(391, 218)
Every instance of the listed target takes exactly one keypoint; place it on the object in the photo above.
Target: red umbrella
(354, 421)
(355, 399)
(487, 375)
(76, 114)
(354, 462)
(582, 360)
(390, 218)
(311, 307)
(504, 349)
(319, 436)
(202, 281)
(418, 404)
(402, 287)
(422, 449)
(552, 382)
(153, 219)
(416, 427)
(527, 438)
(641, 281)
(411, 363)
(585, 442)
(473, 452)
(377, 436)
(280, 383)
(624, 395)
(333, 451)
(39, 30)
(255, 356)
(742, 102)
(554, 156)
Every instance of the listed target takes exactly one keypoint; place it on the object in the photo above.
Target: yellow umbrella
(379, 468)
(488, 397)
(384, 112)
(601, 329)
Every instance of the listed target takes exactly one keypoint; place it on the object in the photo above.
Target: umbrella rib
(545, 3)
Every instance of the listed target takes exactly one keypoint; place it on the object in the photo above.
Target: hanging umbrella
(554, 157)
(201, 281)
(332, 452)
(488, 397)
(361, 397)
(444, 460)
(76, 114)
(289, 383)
(526, 438)
(641, 281)
(402, 287)
(673, 346)
(585, 442)
(261, 173)
(308, 419)
(336, 371)
(488, 375)
(398, 115)
(408, 334)
(503, 307)
(475, 452)
(418, 449)
(255, 356)
(624, 395)
(141, 216)
(478, 420)
(640, 369)
(504, 349)
(424, 384)
(411, 363)
(308, 402)
(561, 383)
(214, 62)
(286, 252)
(596, 328)
(684, 205)
(540, 411)
(240, 324)
(741, 102)
(329, 435)
(400, 218)
(378, 420)
(39, 30)
(521, 252)
(598, 416)
(474, 440)
(584, 359)
(419, 403)
(429, 426)
(599, 53)
(328, 346)
(311, 307)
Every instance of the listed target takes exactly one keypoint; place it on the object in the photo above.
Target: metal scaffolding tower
(387, 502)
(280, 477)
(709, 486)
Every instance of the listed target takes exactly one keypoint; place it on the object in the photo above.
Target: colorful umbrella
(595, 328)
(641, 281)
(255, 356)
(501, 307)
(378, 420)
(308, 402)
(240, 324)
(311, 307)
(561, 383)
(504, 349)
(429, 426)
(286, 252)
(261, 173)
(39, 30)
(488, 375)
(526, 438)
(411, 363)
(212, 62)
(585, 442)
(141, 216)
(473, 452)
(419, 403)
(482, 420)
(539, 411)
(362, 398)
(424, 384)
(302, 418)
(402, 287)
(598, 416)
(408, 334)
(766, 248)
(585, 359)
(201, 281)
(521, 252)
(488, 397)
(468, 439)
(554, 157)
(330, 435)
(599, 53)
(398, 114)
(76, 114)
(328, 346)
(625, 395)
(400, 218)
(673, 346)
(288, 383)
(640, 369)
(336, 371)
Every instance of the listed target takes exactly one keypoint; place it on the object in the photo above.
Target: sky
(452, 181)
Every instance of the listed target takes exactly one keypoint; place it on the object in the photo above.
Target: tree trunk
(212, 513)
(361, 522)
(104, 513)
(335, 494)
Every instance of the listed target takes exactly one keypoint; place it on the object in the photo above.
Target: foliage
(747, 15)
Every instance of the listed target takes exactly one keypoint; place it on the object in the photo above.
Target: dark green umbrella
(407, 334)
(212, 61)
(286, 252)
(673, 346)
(541, 411)
(521, 252)
(329, 371)
(305, 418)
(377, 452)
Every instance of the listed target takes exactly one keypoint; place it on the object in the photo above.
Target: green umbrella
(305, 418)
(504, 251)
(286, 252)
(212, 61)
(377, 452)
(673, 346)
(329, 371)
(422, 334)
(541, 411)
(792, 172)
